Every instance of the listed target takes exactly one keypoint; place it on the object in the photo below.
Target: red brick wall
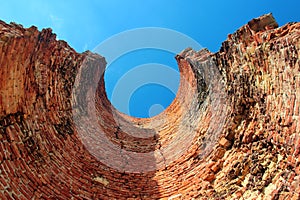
(232, 131)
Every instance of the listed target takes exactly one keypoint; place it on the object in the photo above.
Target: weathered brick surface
(239, 105)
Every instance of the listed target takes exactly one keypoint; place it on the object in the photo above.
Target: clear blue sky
(85, 24)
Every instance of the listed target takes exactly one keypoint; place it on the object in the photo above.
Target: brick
(253, 97)
(224, 142)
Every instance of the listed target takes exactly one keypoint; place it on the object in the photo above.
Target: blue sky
(85, 24)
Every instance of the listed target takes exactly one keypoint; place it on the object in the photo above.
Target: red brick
(44, 156)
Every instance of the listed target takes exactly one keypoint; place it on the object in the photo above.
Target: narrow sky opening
(142, 83)
(150, 100)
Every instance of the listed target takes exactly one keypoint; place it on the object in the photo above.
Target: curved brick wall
(232, 131)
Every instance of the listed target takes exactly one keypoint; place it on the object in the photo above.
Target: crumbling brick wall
(232, 131)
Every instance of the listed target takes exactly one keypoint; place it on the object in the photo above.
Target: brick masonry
(232, 131)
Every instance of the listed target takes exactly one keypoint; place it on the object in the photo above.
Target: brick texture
(232, 131)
